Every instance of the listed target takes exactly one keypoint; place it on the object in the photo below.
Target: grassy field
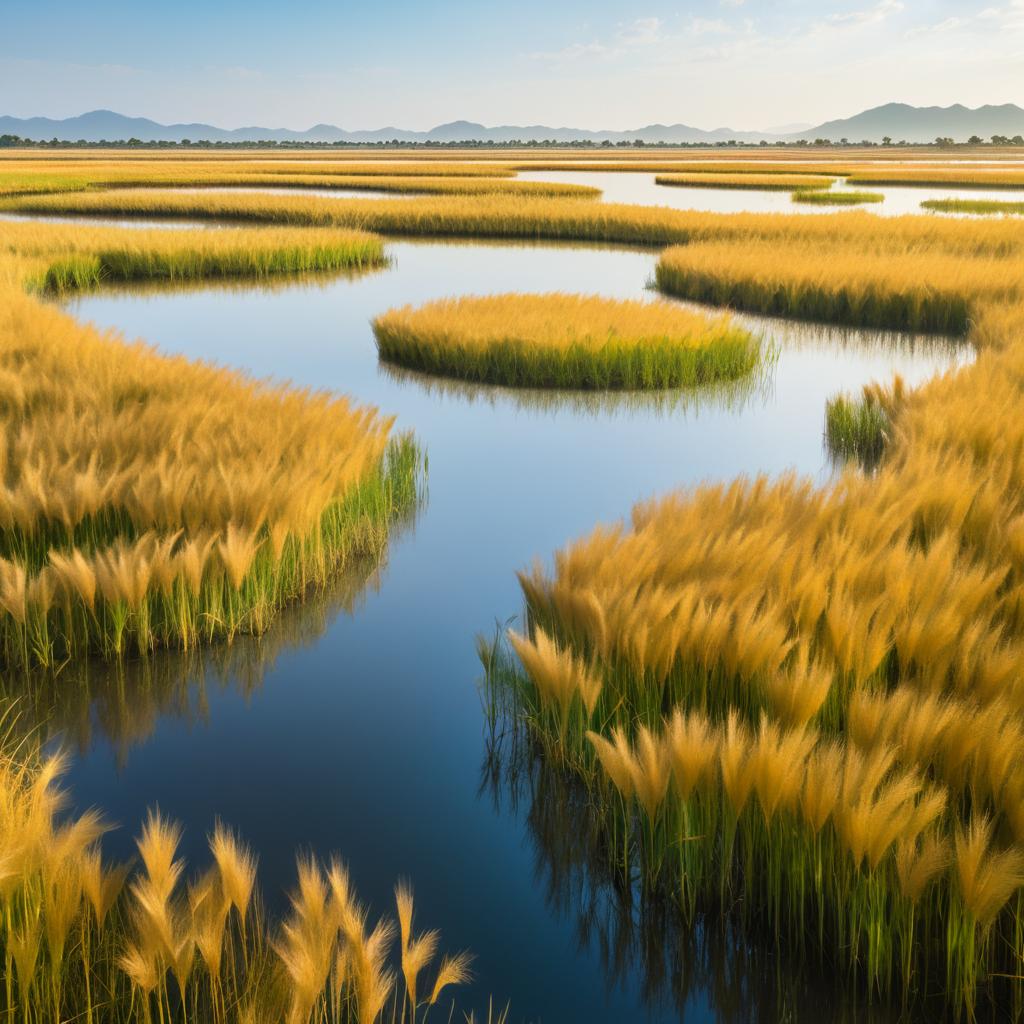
(495, 216)
(152, 501)
(438, 184)
(87, 940)
(833, 283)
(566, 341)
(796, 706)
(946, 177)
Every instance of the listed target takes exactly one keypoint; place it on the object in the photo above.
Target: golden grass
(806, 699)
(82, 939)
(436, 184)
(755, 182)
(151, 500)
(566, 341)
(906, 290)
(960, 177)
(851, 651)
(497, 216)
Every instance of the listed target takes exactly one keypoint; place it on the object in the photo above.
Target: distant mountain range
(898, 121)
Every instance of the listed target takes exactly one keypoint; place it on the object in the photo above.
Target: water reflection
(640, 188)
(729, 396)
(123, 703)
(711, 966)
(368, 740)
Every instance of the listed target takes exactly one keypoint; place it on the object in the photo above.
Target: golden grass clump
(54, 176)
(911, 290)
(566, 341)
(754, 182)
(84, 940)
(963, 176)
(152, 501)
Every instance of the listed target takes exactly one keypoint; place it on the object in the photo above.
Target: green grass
(837, 198)
(981, 206)
(856, 429)
(84, 271)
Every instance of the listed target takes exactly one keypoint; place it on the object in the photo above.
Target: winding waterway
(357, 725)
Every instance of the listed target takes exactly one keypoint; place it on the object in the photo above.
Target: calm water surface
(357, 726)
(640, 188)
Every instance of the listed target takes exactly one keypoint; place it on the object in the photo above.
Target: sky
(593, 64)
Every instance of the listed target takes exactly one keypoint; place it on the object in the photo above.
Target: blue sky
(586, 63)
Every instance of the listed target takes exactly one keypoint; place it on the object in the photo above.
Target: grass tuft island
(566, 341)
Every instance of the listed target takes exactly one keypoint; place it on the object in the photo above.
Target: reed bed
(909, 290)
(959, 177)
(13, 185)
(978, 206)
(495, 216)
(850, 198)
(84, 939)
(801, 703)
(566, 341)
(152, 501)
(753, 182)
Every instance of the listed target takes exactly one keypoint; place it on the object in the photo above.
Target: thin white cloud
(870, 15)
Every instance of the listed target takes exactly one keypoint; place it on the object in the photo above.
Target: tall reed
(83, 939)
(150, 501)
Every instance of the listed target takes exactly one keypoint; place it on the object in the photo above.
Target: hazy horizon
(740, 64)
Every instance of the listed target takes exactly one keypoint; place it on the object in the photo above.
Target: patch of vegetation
(566, 341)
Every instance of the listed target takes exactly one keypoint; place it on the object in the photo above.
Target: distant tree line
(942, 142)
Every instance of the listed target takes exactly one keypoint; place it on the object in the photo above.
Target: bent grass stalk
(150, 501)
(566, 341)
(83, 939)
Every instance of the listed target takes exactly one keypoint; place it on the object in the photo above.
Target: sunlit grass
(497, 216)
(963, 176)
(85, 939)
(836, 283)
(754, 182)
(566, 341)
(152, 501)
(802, 702)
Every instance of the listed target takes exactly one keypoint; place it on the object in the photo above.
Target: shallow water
(357, 726)
(640, 188)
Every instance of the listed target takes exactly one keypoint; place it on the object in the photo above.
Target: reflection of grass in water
(980, 206)
(732, 396)
(124, 701)
(319, 280)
